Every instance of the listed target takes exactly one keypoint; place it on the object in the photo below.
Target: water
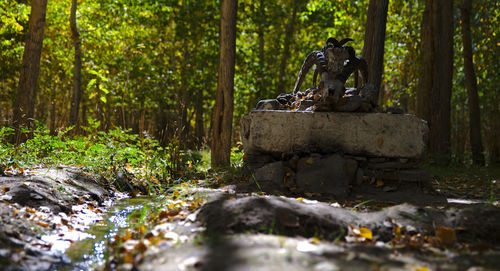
(89, 250)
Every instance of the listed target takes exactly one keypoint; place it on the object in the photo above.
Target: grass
(468, 181)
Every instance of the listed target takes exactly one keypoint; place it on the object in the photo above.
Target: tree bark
(373, 49)
(424, 89)
(494, 146)
(199, 128)
(223, 111)
(77, 68)
(434, 95)
(261, 82)
(471, 83)
(289, 31)
(24, 105)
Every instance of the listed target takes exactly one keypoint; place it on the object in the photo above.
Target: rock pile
(353, 100)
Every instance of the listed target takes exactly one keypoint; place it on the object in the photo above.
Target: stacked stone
(330, 153)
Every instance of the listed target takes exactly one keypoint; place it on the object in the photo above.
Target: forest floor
(225, 223)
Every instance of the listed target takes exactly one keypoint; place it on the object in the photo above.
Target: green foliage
(116, 155)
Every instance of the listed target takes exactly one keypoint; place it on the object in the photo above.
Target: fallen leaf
(31, 211)
(314, 240)
(380, 183)
(141, 247)
(43, 224)
(446, 236)
(128, 257)
(366, 233)
(162, 215)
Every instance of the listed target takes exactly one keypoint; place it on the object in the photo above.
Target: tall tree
(77, 67)
(434, 92)
(471, 83)
(287, 41)
(24, 105)
(223, 111)
(373, 49)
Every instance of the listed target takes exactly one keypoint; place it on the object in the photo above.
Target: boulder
(358, 134)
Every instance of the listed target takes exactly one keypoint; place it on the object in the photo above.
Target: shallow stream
(89, 251)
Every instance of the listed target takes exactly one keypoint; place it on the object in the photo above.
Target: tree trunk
(261, 82)
(494, 148)
(199, 127)
(424, 88)
(373, 49)
(52, 123)
(24, 105)
(262, 85)
(471, 83)
(434, 95)
(77, 68)
(184, 89)
(223, 111)
(289, 31)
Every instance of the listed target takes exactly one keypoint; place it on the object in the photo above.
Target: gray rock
(359, 176)
(404, 175)
(327, 175)
(359, 134)
(305, 104)
(352, 91)
(270, 176)
(351, 167)
(270, 104)
(394, 110)
(397, 164)
(257, 160)
(377, 159)
(369, 94)
(348, 104)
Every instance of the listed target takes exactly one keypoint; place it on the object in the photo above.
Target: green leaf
(91, 83)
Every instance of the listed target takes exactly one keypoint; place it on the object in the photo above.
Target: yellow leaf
(380, 183)
(128, 258)
(397, 232)
(309, 161)
(300, 199)
(446, 236)
(314, 240)
(366, 233)
(423, 268)
(142, 229)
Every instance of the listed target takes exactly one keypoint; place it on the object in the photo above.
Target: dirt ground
(235, 227)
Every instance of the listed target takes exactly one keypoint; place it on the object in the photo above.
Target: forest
(151, 66)
(146, 98)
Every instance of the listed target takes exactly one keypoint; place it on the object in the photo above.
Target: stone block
(270, 176)
(358, 134)
(327, 175)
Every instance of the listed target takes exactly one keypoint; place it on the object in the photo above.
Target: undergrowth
(127, 161)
